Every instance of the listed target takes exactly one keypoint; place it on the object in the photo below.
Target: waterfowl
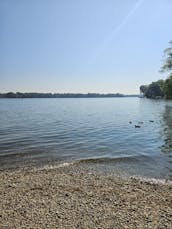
(141, 122)
(137, 126)
(151, 121)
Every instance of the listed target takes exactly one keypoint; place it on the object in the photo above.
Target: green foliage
(167, 66)
(154, 90)
(167, 88)
(59, 95)
(161, 88)
(143, 89)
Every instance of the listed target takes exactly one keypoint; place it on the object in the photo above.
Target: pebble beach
(76, 197)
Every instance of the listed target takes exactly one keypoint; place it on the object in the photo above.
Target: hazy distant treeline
(60, 95)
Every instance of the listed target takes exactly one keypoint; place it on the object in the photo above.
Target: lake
(90, 131)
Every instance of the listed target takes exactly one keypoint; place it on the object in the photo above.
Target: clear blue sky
(82, 46)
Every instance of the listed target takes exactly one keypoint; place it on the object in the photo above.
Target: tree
(143, 89)
(153, 90)
(167, 67)
(161, 88)
(167, 88)
(11, 95)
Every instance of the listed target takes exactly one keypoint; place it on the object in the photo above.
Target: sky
(101, 46)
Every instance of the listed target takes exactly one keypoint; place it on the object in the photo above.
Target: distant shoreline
(19, 95)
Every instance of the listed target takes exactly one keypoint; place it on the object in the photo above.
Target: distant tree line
(161, 88)
(59, 95)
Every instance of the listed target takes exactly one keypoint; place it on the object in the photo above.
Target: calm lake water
(92, 131)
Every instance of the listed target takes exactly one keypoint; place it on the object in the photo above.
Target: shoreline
(70, 196)
(85, 165)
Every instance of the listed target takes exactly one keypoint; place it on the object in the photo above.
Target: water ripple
(37, 131)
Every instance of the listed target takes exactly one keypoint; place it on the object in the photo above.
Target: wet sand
(76, 197)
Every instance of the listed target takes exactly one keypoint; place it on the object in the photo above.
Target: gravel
(75, 197)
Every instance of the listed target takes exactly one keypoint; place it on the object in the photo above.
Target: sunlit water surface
(94, 132)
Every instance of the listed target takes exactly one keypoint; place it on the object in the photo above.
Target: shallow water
(95, 132)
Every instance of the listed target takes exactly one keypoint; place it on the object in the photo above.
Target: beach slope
(74, 197)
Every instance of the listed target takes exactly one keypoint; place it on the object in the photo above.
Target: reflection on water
(167, 123)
